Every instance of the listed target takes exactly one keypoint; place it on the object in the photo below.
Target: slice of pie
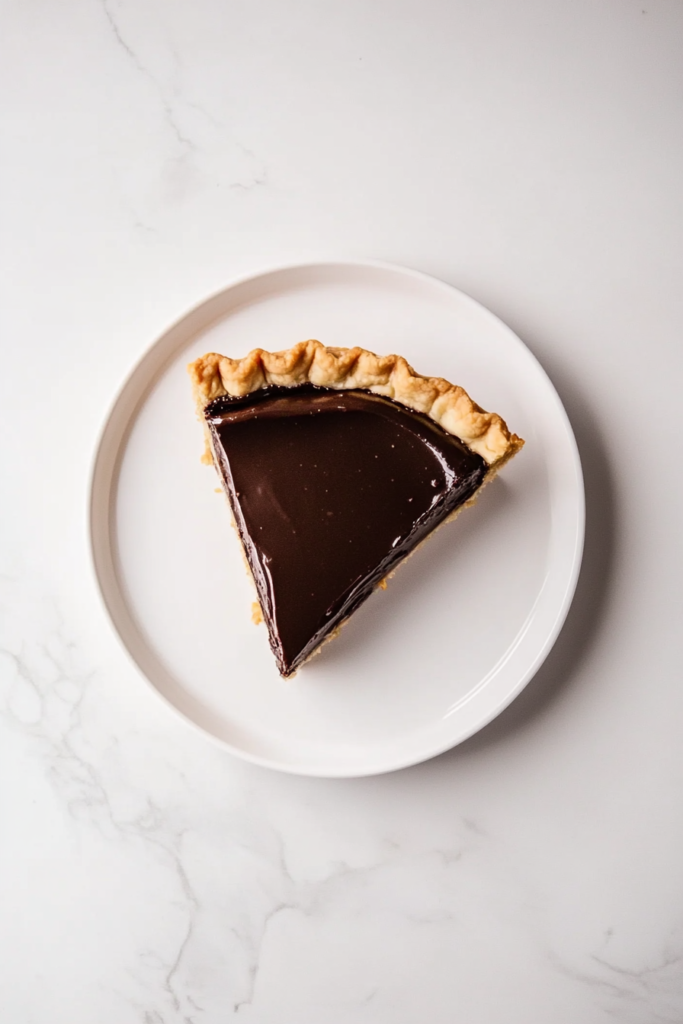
(337, 463)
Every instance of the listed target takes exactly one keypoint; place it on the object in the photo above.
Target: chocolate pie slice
(337, 463)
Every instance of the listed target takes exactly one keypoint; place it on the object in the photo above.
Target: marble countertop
(529, 153)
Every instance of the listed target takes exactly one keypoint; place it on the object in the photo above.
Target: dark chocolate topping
(330, 490)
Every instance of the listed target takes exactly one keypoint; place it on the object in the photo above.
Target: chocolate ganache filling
(330, 490)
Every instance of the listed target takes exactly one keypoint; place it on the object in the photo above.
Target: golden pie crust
(311, 362)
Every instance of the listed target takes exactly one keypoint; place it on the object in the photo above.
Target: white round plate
(461, 628)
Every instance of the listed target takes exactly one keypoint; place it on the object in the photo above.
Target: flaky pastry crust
(311, 362)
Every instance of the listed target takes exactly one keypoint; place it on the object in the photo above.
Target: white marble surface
(529, 152)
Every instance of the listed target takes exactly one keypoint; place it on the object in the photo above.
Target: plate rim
(93, 530)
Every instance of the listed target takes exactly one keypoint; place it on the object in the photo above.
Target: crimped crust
(311, 362)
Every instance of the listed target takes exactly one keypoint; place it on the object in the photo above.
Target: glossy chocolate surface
(330, 490)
